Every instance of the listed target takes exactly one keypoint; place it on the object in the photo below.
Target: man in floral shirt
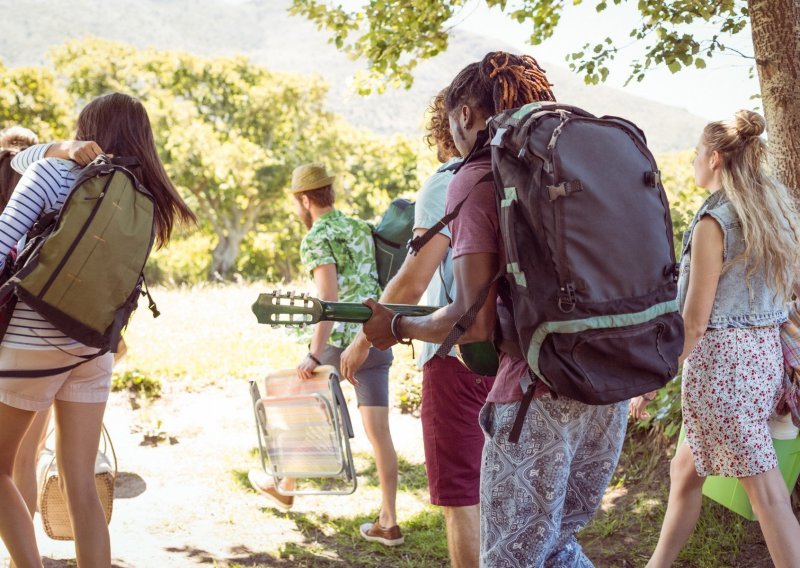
(339, 253)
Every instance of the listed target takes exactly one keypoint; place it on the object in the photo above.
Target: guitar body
(290, 309)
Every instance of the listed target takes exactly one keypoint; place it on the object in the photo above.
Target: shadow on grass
(240, 556)
(129, 485)
(335, 541)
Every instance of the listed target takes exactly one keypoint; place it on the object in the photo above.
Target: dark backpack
(82, 267)
(590, 264)
(391, 236)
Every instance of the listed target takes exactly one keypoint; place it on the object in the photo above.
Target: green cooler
(728, 492)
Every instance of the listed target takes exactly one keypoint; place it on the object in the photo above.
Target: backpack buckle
(564, 189)
(652, 178)
(558, 129)
(566, 298)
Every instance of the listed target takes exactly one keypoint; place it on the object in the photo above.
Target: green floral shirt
(346, 242)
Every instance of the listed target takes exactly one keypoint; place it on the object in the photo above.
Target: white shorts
(89, 382)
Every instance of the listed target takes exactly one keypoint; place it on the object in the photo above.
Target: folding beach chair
(304, 432)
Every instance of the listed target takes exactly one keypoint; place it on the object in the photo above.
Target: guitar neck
(353, 312)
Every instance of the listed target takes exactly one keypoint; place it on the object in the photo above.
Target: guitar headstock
(287, 308)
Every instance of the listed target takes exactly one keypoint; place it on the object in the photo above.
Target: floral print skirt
(732, 381)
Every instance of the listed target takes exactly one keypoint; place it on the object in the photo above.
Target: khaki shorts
(89, 382)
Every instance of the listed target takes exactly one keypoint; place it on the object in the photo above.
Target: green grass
(334, 541)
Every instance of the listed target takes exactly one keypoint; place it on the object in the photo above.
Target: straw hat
(308, 177)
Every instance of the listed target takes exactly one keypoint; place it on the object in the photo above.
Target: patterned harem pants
(536, 494)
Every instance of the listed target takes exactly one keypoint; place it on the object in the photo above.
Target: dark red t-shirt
(475, 230)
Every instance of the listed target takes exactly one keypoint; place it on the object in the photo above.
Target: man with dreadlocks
(537, 493)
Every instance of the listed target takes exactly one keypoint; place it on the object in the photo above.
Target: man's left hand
(305, 370)
(379, 327)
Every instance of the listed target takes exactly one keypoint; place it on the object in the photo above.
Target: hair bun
(749, 124)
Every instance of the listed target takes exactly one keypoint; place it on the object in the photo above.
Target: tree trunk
(776, 41)
(223, 257)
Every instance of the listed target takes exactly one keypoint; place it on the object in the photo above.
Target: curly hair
(16, 138)
(438, 128)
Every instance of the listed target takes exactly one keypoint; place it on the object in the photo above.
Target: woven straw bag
(52, 503)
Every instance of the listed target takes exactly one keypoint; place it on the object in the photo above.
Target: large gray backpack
(591, 271)
(590, 262)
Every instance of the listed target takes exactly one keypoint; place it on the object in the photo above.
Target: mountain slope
(263, 30)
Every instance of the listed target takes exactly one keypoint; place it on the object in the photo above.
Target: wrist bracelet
(396, 330)
(311, 356)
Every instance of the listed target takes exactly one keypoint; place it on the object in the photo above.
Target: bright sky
(715, 92)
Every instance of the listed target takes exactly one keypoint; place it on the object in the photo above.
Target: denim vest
(735, 304)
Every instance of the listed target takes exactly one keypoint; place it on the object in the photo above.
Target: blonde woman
(740, 257)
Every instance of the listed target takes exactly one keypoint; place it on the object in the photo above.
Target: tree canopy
(229, 132)
(393, 35)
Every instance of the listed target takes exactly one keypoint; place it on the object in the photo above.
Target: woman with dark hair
(118, 125)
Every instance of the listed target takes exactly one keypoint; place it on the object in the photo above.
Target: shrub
(665, 410)
(136, 383)
(406, 381)
(186, 260)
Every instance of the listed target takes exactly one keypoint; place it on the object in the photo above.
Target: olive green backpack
(82, 267)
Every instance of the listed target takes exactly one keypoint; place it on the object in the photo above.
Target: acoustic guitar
(294, 309)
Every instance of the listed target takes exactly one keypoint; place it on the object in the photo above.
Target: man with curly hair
(452, 396)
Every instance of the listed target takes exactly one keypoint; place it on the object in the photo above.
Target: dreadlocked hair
(498, 82)
(438, 128)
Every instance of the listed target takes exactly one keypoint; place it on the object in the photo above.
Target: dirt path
(185, 504)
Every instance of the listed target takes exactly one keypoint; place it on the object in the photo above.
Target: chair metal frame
(334, 407)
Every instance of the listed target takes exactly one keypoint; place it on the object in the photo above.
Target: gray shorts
(373, 377)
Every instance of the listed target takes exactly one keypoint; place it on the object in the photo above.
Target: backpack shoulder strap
(466, 320)
(480, 149)
(415, 244)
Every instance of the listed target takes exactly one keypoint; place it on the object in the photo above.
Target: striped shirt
(44, 186)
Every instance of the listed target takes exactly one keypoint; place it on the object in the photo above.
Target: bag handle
(105, 438)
